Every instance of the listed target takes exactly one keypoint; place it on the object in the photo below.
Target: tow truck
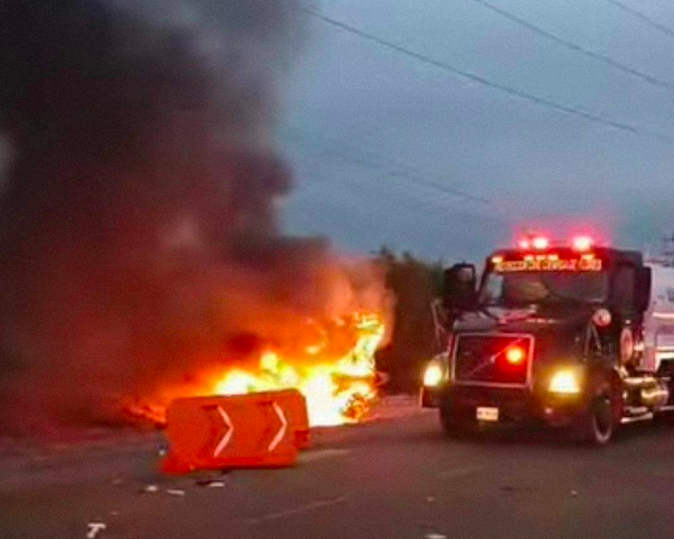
(571, 335)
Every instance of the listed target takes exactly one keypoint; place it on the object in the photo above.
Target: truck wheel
(598, 425)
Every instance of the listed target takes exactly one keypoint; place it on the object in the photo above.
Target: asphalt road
(397, 478)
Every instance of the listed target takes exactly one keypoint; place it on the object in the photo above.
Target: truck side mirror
(642, 289)
(459, 288)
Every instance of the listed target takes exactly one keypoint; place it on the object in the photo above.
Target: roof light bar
(540, 243)
(582, 243)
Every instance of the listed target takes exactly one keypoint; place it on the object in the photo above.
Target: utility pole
(668, 250)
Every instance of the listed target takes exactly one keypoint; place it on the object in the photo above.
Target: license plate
(486, 413)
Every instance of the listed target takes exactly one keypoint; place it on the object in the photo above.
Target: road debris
(211, 483)
(94, 529)
(574, 493)
(175, 492)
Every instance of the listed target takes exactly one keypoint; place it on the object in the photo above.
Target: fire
(334, 370)
(338, 390)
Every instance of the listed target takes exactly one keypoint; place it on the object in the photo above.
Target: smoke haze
(139, 243)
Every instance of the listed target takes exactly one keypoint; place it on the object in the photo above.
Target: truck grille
(482, 359)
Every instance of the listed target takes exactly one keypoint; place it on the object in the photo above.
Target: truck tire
(598, 425)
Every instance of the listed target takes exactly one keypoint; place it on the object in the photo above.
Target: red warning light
(582, 243)
(515, 355)
(540, 243)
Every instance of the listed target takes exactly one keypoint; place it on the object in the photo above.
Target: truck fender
(626, 345)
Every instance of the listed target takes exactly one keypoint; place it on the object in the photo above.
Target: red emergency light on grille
(515, 355)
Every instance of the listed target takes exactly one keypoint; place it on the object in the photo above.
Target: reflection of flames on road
(337, 391)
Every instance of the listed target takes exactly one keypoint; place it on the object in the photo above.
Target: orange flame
(337, 391)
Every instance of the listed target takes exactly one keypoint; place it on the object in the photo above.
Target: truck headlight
(434, 374)
(565, 381)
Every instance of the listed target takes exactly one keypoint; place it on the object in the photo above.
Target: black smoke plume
(139, 243)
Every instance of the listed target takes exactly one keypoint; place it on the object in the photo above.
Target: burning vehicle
(336, 390)
(571, 335)
(336, 374)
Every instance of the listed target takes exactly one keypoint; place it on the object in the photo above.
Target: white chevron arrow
(228, 435)
(282, 431)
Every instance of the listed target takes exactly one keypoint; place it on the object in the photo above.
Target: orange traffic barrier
(294, 405)
(254, 430)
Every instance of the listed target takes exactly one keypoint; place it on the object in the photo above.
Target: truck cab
(553, 334)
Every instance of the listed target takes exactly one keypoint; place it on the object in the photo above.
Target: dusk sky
(370, 132)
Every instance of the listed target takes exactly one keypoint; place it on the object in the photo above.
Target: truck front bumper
(514, 405)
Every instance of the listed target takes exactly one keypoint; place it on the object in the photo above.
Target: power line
(642, 16)
(383, 206)
(571, 111)
(434, 204)
(574, 47)
(396, 170)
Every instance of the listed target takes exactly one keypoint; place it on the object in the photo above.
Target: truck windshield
(549, 287)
